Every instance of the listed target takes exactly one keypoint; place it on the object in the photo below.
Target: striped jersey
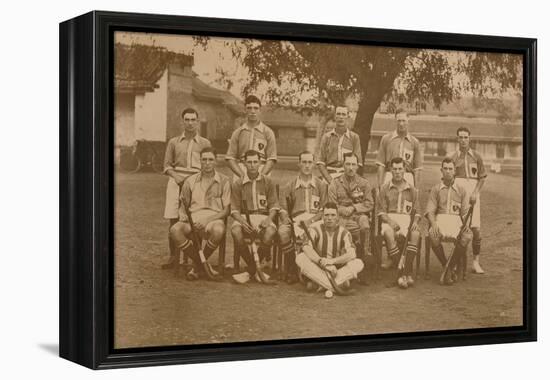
(327, 244)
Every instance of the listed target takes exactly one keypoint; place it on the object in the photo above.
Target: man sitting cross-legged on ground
(397, 199)
(256, 192)
(207, 195)
(307, 196)
(331, 253)
(446, 209)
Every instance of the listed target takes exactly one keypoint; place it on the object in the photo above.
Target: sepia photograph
(269, 189)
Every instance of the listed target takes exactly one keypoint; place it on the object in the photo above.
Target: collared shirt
(333, 147)
(468, 164)
(216, 197)
(356, 193)
(260, 195)
(408, 148)
(308, 196)
(445, 199)
(260, 138)
(327, 244)
(183, 154)
(395, 199)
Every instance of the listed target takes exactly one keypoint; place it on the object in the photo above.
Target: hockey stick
(253, 248)
(197, 246)
(451, 258)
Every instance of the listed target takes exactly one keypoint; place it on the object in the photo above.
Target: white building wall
(150, 112)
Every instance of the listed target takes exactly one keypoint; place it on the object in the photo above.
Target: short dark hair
(302, 153)
(189, 110)
(397, 160)
(208, 149)
(463, 129)
(350, 154)
(331, 205)
(251, 153)
(447, 160)
(252, 99)
(341, 106)
(401, 110)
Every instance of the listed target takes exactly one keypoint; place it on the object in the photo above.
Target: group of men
(322, 224)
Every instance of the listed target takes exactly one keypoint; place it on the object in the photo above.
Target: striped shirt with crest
(330, 245)
(308, 196)
(260, 195)
(445, 199)
(468, 164)
(398, 200)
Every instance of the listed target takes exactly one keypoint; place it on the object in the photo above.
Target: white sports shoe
(257, 276)
(241, 278)
(410, 281)
(402, 282)
(476, 268)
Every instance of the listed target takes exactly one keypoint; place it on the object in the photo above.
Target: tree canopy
(317, 76)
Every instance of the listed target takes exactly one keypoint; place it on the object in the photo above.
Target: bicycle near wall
(143, 155)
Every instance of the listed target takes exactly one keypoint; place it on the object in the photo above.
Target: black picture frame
(86, 190)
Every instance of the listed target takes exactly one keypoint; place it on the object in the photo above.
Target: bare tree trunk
(363, 121)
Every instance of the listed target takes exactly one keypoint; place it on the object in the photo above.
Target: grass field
(154, 308)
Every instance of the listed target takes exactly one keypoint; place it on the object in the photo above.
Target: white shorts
(402, 220)
(172, 200)
(449, 225)
(255, 219)
(298, 231)
(409, 177)
(469, 184)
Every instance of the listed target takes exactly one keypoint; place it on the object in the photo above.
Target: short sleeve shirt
(395, 199)
(445, 199)
(260, 138)
(469, 164)
(216, 197)
(259, 194)
(333, 147)
(309, 196)
(184, 154)
(408, 148)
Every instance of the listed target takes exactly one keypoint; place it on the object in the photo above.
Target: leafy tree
(317, 76)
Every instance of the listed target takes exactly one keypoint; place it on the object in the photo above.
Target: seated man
(307, 196)
(447, 207)
(331, 253)
(256, 192)
(352, 193)
(207, 195)
(396, 201)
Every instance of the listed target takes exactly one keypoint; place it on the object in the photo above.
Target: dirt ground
(154, 308)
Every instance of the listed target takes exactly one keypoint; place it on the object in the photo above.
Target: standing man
(258, 193)
(396, 201)
(400, 143)
(353, 196)
(336, 143)
(252, 135)
(447, 206)
(307, 195)
(471, 175)
(331, 253)
(207, 195)
(182, 159)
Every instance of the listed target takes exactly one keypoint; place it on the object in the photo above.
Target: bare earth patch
(154, 308)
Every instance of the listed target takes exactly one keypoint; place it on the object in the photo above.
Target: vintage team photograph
(273, 190)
